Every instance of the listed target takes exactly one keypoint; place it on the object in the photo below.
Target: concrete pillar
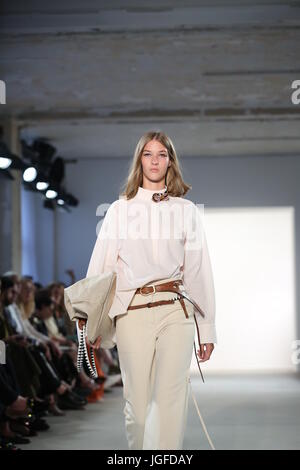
(10, 207)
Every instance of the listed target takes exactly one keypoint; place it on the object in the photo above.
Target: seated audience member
(65, 325)
(44, 311)
(25, 300)
(45, 321)
(12, 406)
(51, 382)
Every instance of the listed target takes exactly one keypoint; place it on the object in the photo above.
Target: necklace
(157, 197)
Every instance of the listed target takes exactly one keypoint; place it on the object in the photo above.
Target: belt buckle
(153, 292)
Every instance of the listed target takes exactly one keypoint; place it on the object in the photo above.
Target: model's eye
(161, 154)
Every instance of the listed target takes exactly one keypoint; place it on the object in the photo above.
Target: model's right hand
(96, 344)
(81, 323)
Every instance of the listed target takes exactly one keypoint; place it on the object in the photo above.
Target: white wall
(253, 259)
(37, 225)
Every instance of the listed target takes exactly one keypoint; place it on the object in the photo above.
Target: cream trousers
(155, 348)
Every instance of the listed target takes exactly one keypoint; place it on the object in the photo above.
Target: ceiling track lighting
(41, 171)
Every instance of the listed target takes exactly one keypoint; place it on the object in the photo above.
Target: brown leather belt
(153, 304)
(171, 286)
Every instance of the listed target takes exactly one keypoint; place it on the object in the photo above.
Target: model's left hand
(205, 351)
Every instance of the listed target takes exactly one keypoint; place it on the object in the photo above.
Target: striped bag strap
(83, 353)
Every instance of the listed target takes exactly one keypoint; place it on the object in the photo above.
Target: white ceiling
(93, 76)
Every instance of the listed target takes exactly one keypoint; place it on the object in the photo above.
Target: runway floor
(253, 411)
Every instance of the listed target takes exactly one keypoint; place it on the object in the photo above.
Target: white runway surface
(253, 411)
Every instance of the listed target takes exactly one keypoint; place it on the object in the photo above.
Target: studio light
(47, 173)
(41, 185)
(29, 174)
(7, 159)
(5, 163)
(51, 194)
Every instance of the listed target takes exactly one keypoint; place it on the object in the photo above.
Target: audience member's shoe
(89, 383)
(21, 429)
(26, 421)
(34, 423)
(85, 384)
(39, 424)
(80, 400)
(66, 401)
(8, 435)
(113, 370)
(111, 380)
(55, 410)
(38, 406)
(81, 391)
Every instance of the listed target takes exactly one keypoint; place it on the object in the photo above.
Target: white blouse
(145, 241)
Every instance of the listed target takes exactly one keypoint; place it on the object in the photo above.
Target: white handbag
(90, 299)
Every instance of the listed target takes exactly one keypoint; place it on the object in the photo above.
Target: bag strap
(83, 352)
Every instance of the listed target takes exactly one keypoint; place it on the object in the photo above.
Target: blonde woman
(25, 299)
(153, 238)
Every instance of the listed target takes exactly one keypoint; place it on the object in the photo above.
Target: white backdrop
(253, 258)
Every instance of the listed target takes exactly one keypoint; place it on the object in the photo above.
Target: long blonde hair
(174, 181)
(27, 308)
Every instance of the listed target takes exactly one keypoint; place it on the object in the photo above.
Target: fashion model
(153, 238)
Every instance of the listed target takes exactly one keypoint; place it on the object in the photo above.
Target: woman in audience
(51, 382)
(25, 300)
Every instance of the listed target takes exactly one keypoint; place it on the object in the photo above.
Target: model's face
(155, 157)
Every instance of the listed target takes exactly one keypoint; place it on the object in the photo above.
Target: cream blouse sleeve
(105, 253)
(198, 276)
